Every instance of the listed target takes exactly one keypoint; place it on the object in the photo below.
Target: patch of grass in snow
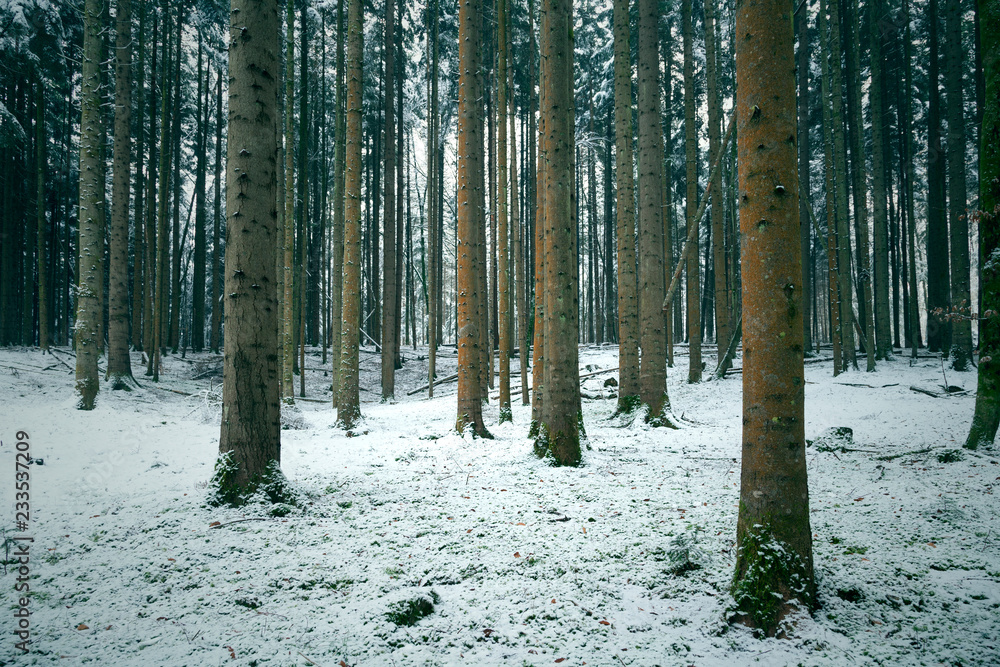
(408, 612)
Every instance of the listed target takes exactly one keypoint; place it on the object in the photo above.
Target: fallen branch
(450, 378)
(919, 390)
(896, 456)
(229, 523)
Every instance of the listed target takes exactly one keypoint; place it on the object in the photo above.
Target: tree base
(770, 584)
(272, 487)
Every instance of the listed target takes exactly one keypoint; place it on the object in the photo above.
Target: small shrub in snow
(408, 612)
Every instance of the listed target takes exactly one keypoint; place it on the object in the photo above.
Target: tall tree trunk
(652, 279)
(200, 214)
(516, 227)
(216, 225)
(832, 211)
(908, 148)
(840, 169)
(119, 372)
(987, 414)
(140, 267)
(538, 346)
(389, 217)
(721, 286)
(802, 74)
(339, 205)
(303, 183)
(174, 337)
(880, 222)
(628, 306)
(434, 284)
(860, 184)
(502, 281)
(44, 325)
(561, 425)
(91, 245)
(250, 442)
(774, 569)
(691, 201)
(938, 277)
(958, 224)
(288, 278)
(470, 222)
(349, 406)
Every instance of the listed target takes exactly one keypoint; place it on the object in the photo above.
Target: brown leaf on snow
(215, 523)
(560, 659)
(232, 653)
(342, 663)
(604, 623)
(517, 554)
(83, 626)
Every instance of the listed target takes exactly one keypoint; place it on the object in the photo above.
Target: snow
(529, 564)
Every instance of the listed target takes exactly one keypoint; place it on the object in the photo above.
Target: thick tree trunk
(470, 223)
(987, 414)
(653, 363)
(560, 429)
(251, 430)
(774, 569)
(348, 405)
(628, 302)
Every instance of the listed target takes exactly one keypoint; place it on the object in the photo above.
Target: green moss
(408, 612)
(505, 414)
(271, 487)
(627, 405)
(657, 416)
(770, 581)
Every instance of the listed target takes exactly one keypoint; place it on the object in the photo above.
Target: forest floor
(494, 556)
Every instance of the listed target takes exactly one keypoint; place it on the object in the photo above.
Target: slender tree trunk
(174, 291)
(389, 216)
(802, 73)
(721, 286)
(339, 205)
(774, 569)
(44, 324)
(119, 372)
(433, 318)
(288, 278)
(91, 244)
(860, 184)
(691, 201)
(502, 280)
(938, 277)
(538, 347)
(200, 214)
(628, 306)
(348, 406)
(250, 442)
(303, 184)
(987, 414)
(840, 169)
(832, 211)
(216, 225)
(909, 149)
(140, 267)
(880, 222)
(516, 218)
(958, 224)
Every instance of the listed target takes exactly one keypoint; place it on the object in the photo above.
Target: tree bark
(559, 430)
(339, 205)
(987, 414)
(503, 232)
(288, 277)
(251, 430)
(938, 276)
(389, 216)
(628, 306)
(721, 286)
(349, 406)
(91, 244)
(691, 200)
(958, 224)
(880, 222)
(774, 569)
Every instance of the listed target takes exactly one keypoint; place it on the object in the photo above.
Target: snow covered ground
(623, 561)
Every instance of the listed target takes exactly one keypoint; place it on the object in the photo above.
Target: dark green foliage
(408, 612)
(272, 487)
